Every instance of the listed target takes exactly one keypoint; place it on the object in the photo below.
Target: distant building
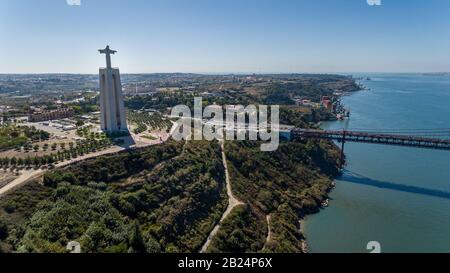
(69, 127)
(326, 102)
(46, 115)
(306, 102)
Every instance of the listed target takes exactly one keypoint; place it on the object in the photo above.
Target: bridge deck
(375, 138)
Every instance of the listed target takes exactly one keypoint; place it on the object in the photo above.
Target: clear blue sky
(225, 35)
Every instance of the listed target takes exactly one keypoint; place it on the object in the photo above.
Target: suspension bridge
(419, 138)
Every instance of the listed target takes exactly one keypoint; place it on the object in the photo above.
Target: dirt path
(131, 180)
(269, 230)
(232, 202)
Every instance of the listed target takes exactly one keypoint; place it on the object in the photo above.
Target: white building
(112, 109)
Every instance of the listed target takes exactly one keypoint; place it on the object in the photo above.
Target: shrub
(3, 230)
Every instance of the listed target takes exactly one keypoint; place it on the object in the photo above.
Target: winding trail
(269, 230)
(232, 201)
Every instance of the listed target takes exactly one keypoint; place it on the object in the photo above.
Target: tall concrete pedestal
(112, 109)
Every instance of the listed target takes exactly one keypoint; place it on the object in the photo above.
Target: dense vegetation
(310, 87)
(159, 101)
(242, 231)
(297, 173)
(164, 198)
(287, 183)
(286, 236)
(87, 106)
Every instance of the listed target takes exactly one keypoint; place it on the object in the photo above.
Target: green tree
(50, 159)
(4, 161)
(3, 230)
(36, 161)
(152, 246)
(13, 161)
(136, 242)
(79, 123)
(28, 161)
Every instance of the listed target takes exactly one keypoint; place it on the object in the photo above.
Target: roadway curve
(29, 175)
(24, 177)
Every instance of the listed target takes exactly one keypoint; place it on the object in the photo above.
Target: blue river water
(397, 196)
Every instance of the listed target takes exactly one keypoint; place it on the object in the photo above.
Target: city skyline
(225, 36)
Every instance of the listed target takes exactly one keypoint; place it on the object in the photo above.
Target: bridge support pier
(342, 159)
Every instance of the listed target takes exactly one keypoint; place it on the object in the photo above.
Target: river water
(397, 196)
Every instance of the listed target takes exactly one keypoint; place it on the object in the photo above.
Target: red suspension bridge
(419, 138)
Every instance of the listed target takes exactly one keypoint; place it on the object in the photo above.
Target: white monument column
(112, 109)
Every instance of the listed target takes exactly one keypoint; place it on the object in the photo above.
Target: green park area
(12, 136)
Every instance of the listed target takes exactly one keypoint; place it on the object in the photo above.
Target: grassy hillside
(164, 199)
(167, 198)
(286, 184)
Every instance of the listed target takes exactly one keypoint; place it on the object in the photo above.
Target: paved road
(29, 175)
(232, 202)
(23, 177)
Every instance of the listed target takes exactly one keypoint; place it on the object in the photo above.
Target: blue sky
(46, 36)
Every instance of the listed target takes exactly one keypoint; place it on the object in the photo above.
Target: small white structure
(112, 109)
(69, 127)
(73, 247)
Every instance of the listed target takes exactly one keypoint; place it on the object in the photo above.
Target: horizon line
(231, 73)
